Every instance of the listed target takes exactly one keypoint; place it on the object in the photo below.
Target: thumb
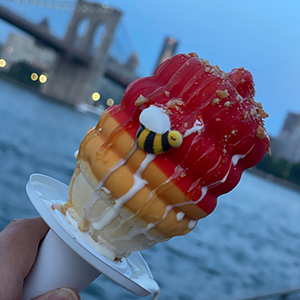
(59, 294)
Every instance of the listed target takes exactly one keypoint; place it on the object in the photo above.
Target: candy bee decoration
(154, 135)
(126, 199)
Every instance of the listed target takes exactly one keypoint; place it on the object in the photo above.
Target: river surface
(250, 244)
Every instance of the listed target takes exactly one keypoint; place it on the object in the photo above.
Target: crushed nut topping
(167, 93)
(263, 114)
(253, 111)
(239, 99)
(215, 101)
(260, 133)
(259, 105)
(83, 227)
(223, 75)
(222, 94)
(179, 102)
(174, 103)
(141, 100)
(193, 54)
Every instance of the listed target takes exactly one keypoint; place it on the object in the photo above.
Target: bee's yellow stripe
(157, 144)
(142, 137)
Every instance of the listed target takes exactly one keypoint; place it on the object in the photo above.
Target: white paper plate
(132, 273)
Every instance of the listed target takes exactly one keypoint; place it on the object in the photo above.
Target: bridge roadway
(70, 53)
(49, 40)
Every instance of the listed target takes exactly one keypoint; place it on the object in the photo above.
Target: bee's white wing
(155, 119)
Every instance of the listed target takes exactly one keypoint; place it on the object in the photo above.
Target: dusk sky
(260, 35)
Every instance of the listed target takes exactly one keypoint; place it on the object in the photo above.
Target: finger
(59, 294)
(19, 244)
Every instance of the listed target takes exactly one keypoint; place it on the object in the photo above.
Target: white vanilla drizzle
(234, 161)
(236, 158)
(204, 190)
(112, 212)
(192, 224)
(76, 153)
(179, 216)
(144, 280)
(198, 125)
(95, 195)
(106, 250)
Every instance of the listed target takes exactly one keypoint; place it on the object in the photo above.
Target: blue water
(250, 245)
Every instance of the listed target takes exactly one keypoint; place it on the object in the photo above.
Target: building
(167, 51)
(21, 48)
(287, 144)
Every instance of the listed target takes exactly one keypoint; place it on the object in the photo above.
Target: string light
(43, 78)
(67, 5)
(10, 49)
(34, 77)
(96, 96)
(110, 102)
(2, 63)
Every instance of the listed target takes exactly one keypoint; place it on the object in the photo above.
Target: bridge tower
(74, 83)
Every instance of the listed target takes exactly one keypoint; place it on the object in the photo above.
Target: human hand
(19, 243)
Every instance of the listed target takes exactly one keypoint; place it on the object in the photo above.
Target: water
(250, 245)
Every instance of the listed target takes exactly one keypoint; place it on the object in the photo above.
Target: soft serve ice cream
(155, 164)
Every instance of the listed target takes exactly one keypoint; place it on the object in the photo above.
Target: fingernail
(63, 294)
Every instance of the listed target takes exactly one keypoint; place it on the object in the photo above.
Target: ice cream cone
(155, 164)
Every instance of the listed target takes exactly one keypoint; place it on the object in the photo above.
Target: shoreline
(34, 90)
(274, 179)
(46, 97)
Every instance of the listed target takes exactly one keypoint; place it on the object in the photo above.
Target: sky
(261, 35)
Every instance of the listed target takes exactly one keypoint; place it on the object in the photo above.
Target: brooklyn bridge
(76, 71)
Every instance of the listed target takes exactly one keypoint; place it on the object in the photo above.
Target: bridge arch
(101, 23)
(71, 81)
(81, 31)
(97, 38)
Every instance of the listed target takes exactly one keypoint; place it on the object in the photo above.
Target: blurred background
(63, 62)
